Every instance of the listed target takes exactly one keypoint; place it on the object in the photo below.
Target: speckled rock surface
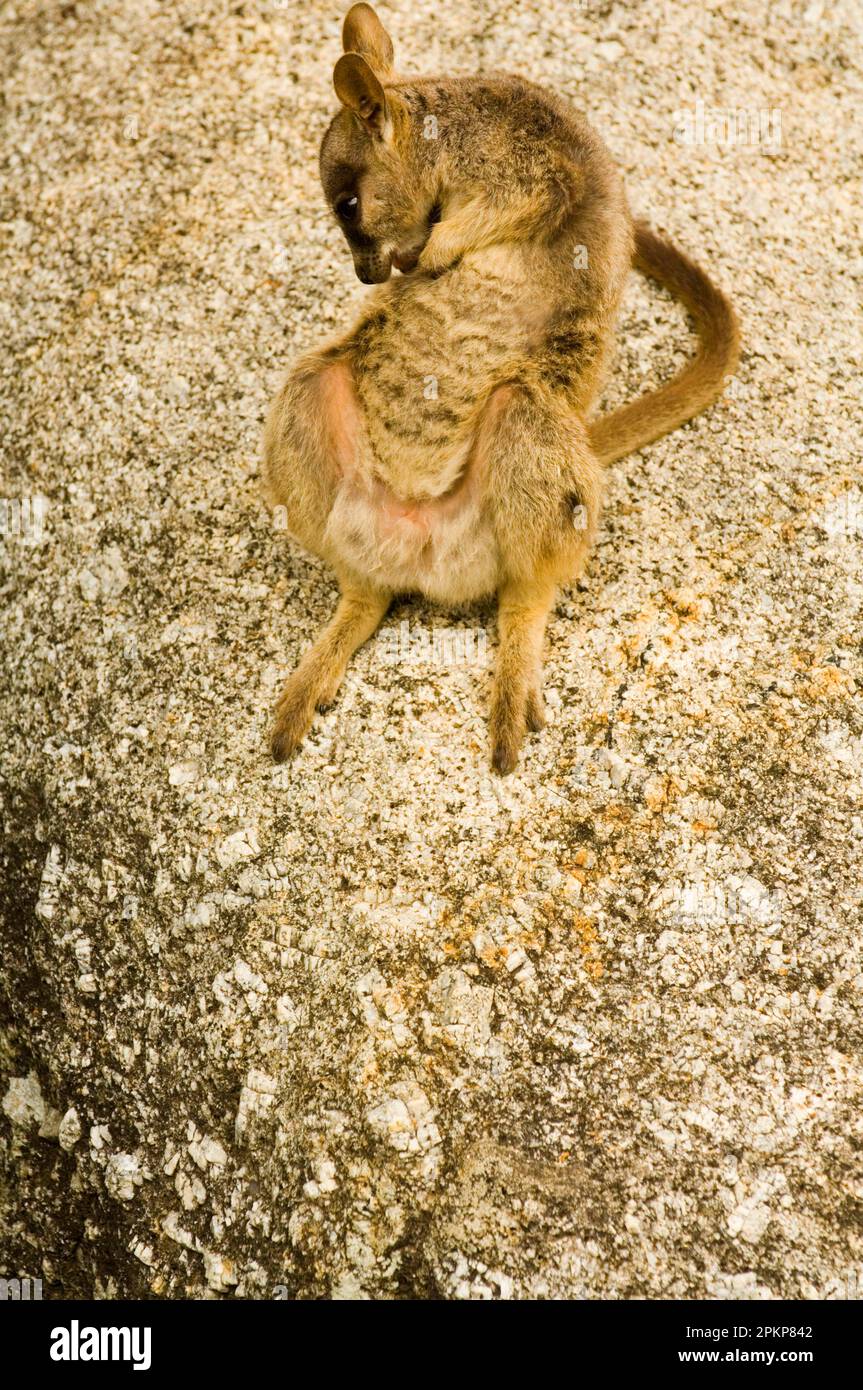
(376, 1023)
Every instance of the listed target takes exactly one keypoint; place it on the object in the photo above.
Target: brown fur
(444, 444)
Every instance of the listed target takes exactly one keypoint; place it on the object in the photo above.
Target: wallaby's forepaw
(438, 253)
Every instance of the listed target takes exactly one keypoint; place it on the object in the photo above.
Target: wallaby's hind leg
(544, 489)
(517, 695)
(315, 682)
(309, 445)
(310, 442)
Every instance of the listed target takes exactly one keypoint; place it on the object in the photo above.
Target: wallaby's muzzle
(372, 270)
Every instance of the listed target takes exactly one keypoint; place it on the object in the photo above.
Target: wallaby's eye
(347, 208)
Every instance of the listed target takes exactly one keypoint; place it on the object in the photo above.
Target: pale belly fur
(443, 548)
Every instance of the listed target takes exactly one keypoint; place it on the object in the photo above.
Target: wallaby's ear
(359, 90)
(363, 33)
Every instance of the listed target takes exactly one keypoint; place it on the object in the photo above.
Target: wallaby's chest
(409, 512)
(426, 363)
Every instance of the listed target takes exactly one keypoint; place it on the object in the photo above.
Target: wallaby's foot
(516, 705)
(508, 727)
(534, 711)
(294, 713)
(511, 719)
(329, 691)
(315, 683)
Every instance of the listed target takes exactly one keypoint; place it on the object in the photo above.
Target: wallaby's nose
(373, 272)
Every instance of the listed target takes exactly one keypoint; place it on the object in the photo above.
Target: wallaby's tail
(701, 380)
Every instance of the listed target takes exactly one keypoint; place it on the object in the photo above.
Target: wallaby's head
(371, 159)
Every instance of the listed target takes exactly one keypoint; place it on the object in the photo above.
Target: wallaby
(445, 445)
